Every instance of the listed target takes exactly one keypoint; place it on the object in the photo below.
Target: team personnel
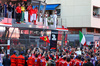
(69, 63)
(63, 62)
(30, 61)
(79, 62)
(21, 60)
(36, 60)
(57, 62)
(42, 62)
(35, 15)
(18, 13)
(13, 59)
(72, 60)
(29, 8)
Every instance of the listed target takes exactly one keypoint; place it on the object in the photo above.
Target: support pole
(11, 34)
(8, 47)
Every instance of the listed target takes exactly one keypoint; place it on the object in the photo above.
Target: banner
(24, 0)
(53, 39)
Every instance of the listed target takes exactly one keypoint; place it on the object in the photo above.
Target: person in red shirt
(43, 61)
(18, 13)
(62, 62)
(68, 63)
(72, 60)
(30, 61)
(13, 59)
(57, 62)
(36, 60)
(21, 60)
(35, 15)
(79, 62)
(31, 14)
(29, 8)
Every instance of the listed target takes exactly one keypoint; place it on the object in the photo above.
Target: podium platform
(9, 22)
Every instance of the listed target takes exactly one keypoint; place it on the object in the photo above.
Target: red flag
(45, 38)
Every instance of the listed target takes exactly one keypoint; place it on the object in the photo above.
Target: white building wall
(95, 22)
(78, 13)
(53, 1)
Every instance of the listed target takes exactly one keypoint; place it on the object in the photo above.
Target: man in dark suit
(6, 61)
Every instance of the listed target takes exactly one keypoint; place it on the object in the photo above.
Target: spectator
(26, 58)
(98, 63)
(10, 10)
(0, 8)
(1, 57)
(5, 9)
(6, 61)
(18, 13)
(89, 63)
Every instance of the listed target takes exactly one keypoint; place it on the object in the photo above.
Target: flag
(82, 38)
(45, 38)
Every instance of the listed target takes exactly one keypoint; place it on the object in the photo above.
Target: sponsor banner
(54, 39)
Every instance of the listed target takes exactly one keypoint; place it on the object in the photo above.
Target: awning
(51, 6)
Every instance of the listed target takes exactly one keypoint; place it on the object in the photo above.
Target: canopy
(51, 6)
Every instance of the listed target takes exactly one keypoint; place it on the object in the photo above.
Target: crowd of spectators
(66, 57)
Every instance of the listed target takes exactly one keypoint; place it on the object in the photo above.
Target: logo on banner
(53, 40)
(53, 37)
(45, 38)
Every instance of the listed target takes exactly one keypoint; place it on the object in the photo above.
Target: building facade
(80, 15)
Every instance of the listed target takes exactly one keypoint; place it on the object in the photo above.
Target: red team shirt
(65, 63)
(79, 63)
(18, 9)
(57, 62)
(31, 11)
(73, 62)
(43, 62)
(30, 61)
(36, 61)
(29, 8)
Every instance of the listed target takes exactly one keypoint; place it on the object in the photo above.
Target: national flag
(82, 38)
(45, 38)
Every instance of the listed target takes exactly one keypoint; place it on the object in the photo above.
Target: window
(58, 11)
(96, 11)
